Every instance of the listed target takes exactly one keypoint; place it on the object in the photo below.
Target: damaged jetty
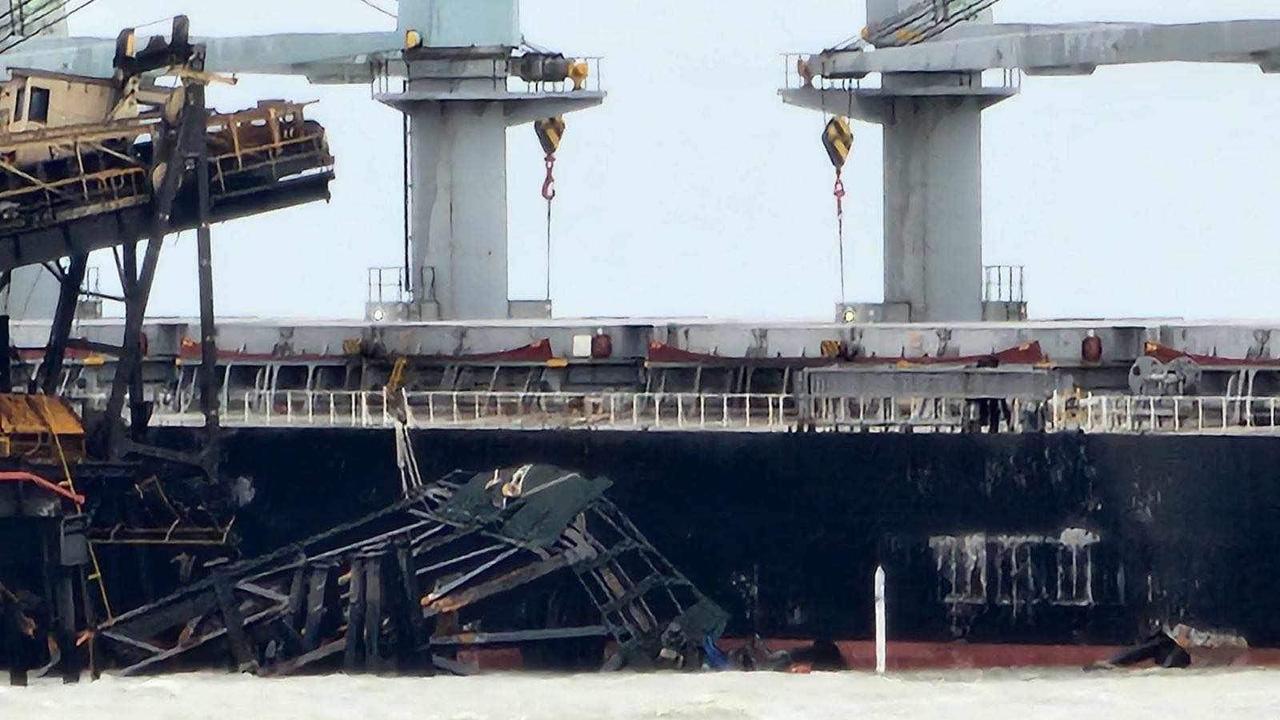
(532, 556)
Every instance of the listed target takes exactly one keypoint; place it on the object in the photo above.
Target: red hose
(17, 476)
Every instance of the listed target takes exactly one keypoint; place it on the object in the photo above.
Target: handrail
(755, 412)
(1196, 414)
(384, 72)
(427, 409)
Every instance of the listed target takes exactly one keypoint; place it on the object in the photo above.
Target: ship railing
(765, 412)
(1190, 414)
(774, 412)
(885, 414)
(516, 409)
(387, 76)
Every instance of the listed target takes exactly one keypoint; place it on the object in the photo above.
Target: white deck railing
(1167, 414)
(530, 410)
(756, 412)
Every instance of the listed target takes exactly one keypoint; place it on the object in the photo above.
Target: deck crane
(929, 102)
(918, 22)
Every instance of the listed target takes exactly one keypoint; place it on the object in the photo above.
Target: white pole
(880, 624)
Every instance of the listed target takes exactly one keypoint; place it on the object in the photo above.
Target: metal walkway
(97, 192)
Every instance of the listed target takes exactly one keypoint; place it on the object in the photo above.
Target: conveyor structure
(88, 163)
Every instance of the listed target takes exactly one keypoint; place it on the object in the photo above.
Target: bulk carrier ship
(1036, 491)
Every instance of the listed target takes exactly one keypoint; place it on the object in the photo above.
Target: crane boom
(922, 21)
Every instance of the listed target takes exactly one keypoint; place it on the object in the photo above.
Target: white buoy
(881, 643)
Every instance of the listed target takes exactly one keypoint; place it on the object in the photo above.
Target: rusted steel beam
(50, 374)
(515, 578)
(293, 665)
(204, 261)
(297, 599)
(408, 619)
(234, 624)
(322, 585)
(470, 575)
(521, 636)
(373, 612)
(355, 617)
(150, 663)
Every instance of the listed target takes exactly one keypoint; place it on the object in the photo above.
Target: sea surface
(1234, 695)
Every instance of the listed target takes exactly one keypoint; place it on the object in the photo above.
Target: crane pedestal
(459, 108)
(930, 57)
(932, 188)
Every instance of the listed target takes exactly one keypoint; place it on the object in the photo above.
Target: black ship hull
(1034, 538)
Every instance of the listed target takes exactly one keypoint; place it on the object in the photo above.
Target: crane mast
(920, 21)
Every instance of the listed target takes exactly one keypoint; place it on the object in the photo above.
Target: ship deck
(1122, 338)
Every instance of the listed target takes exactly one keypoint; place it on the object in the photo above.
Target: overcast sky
(693, 191)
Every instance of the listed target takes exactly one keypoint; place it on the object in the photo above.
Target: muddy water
(1237, 694)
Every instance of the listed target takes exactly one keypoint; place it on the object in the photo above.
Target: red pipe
(17, 476)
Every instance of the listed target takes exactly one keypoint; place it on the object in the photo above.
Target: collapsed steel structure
(404, 588)
(151, 161)
(88, 163)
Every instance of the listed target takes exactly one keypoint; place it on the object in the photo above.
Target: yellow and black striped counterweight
(839, 141)
(837, 138)
(549, 131)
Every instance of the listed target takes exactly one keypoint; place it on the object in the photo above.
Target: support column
(179, 138)
(459, 105)
(12, 640)
(204, 255)
(932, 184)
(128, 377)
(459, 169)
(6, 363)
(353, 656)
(66, 624)
(933, 207)
(242, 652)
(60, 330)
(373, 611)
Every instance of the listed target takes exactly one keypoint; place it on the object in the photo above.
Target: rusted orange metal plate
(35, 414)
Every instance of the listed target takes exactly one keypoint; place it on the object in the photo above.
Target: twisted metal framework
(404, 588)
